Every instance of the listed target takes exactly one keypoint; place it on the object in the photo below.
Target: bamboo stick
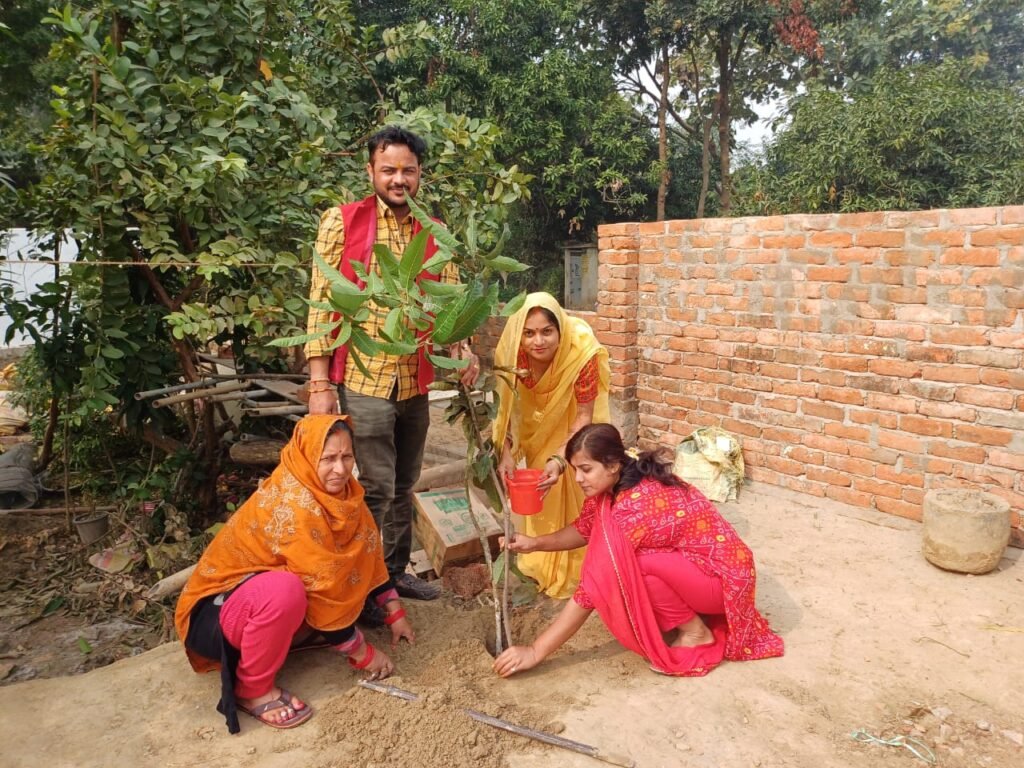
(195, 394)
(175, 388)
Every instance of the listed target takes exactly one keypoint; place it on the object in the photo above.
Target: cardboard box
(445, 531)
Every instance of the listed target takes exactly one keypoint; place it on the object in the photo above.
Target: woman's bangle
(398, 615)
(562, 465)
(319, 385)
(367, 659)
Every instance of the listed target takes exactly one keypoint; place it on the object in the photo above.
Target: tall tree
(700, 61)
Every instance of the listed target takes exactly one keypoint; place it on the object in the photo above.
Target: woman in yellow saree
(563, 386)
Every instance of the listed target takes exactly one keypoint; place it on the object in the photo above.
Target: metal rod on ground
(175, 388)
(195, 394)
(519, 730)
(285, 376)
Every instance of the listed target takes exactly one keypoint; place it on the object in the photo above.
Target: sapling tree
(432, 315)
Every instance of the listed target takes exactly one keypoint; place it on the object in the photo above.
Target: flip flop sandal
(284, 700)
(311, 643)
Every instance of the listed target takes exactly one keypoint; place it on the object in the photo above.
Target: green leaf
(436, 263)
(346, 296)
(447, 363)
(439, 289)
(53, 605)
(498, 567)
(412, 260)
(83, 645)
(513, 305)
(506, 265)
(439, 231)
(471, 316)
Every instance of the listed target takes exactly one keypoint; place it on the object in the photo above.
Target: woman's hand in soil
(402, 629)
(518, 658)
(380, 667)
(520, 543)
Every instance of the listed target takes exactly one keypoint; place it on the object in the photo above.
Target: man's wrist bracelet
(319, 385)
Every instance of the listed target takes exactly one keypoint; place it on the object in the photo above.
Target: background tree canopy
(189, 147)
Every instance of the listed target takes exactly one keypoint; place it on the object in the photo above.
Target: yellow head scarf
(539, 421)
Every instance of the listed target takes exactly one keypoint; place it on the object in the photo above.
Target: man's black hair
(394, 134)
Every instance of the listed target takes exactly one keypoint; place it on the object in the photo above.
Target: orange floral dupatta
(291, 523)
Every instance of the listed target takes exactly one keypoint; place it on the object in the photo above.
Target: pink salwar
(260, 618)
(678, 589)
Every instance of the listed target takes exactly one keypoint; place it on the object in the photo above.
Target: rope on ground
(916, 747)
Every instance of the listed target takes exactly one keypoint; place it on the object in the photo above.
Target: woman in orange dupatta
(290, 569)
(665, 571)
(563, 387)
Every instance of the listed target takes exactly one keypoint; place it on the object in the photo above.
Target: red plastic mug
(522, 491)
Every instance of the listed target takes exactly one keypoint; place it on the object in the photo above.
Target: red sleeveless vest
(360, 222)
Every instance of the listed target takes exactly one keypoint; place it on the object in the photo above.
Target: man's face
(394, 173)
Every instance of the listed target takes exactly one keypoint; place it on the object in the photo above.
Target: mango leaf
(506, 264)
(472, 316)
(83, 645)
(412, 260)
(53, 605)
(346, 296)
(436, 263)
(498, 567)
(389, 270)
(446, 318)
(439, 231)
(442, 290)
(447, 363)
(305, 338)
(513, 305)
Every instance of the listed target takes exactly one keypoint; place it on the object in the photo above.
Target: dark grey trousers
(389, 440)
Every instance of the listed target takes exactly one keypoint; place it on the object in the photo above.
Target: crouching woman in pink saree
(668, 575)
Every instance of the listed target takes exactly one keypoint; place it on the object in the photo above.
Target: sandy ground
(876, 639)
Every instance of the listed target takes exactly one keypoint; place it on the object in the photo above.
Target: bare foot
(693, 632)
(275, 715)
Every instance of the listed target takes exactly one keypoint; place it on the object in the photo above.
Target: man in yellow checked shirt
(389, 408)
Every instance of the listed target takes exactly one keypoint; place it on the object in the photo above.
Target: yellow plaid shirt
(386, 371)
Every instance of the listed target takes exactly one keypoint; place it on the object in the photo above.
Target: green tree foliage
(697, 64)
(987, 36)
(193, 144)
(533, 69)
(921, 137)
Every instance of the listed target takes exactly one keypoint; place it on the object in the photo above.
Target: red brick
(802, 486)
(830, 239)
(847, 432)
(829, 274)
(914, 495)
(742, 427)
(873, 383)
(1011, 236)
(891, 367)
(849, 496)
(832, 378)
(780, 436)
(905, 295)
(1006, 459)
(973, 454)
(884, 420)
(872, 347)
(785, 466)
(890, 475)
(900, 442)
(844, 363)
(969, 337)
(913, 313)
(788, 404)
(857, 255)
(924, 426)
(829, 476)
(969, 216)
(901, 331)
(900, 508)
(776, 371)
(877, 455)
(895, 403)
(1014, 339)
(794, 389)
(827, 444)
(970, 257)
(947, 237)
(990, 358)
(883, 239)
(879, 489)
(850, 465)
(805, 455)
(841, 395)
(971, 433)
(952, 373)
(948, 411)
(928, 354)
(823, 410)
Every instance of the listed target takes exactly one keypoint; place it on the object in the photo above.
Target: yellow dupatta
(539, 420)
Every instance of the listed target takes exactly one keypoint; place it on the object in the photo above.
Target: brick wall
(863, 357)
